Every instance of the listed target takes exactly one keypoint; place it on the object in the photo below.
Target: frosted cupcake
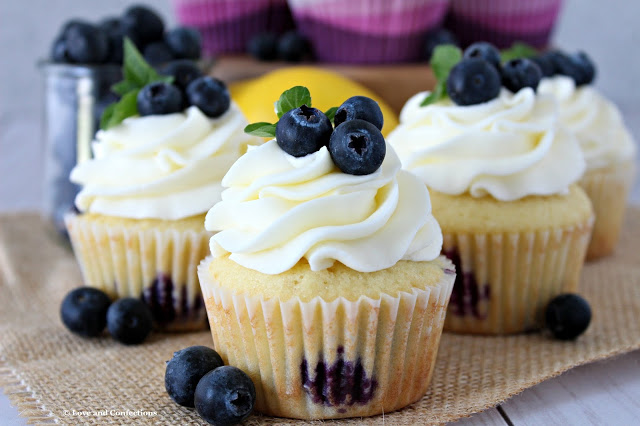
(139, 227)
(609, 151)
(326, 287)
(502, 174)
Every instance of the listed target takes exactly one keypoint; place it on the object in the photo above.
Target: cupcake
(503, 22)
(228, 25)
(608, 149)
(325, 286)
(503, 176)
(368, 31)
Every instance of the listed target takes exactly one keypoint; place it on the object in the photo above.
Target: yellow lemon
(256, 97)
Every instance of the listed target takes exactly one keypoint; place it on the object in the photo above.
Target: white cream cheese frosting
(279, 209)
(509, 147)
(594, 120)
(161, 166)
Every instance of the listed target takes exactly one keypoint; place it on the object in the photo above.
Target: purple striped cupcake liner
(368, 31)
(503, 22)
(228, 25)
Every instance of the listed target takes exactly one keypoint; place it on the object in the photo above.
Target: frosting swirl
(509, 147)
(279, 209)
(161, 166)
(595, 121)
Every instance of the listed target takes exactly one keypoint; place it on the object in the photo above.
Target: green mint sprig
(137, 74)
(290, 99)
(518, 50)
(444, 58)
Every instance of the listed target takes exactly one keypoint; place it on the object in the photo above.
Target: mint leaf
(262, 129)
(518, 50)
(331, 113)
(292, 98)
(439, 92)
(444, 58)
(114, 114)
(123, 87)
(136, 70)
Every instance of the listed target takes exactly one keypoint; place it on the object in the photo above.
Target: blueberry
(184, 42)
(484, 50)
(293, 47)
(210, 95)
(579, 67)
(302, 131)
(587, 67)
(142, 24)
(129, 321)
(437, 38)
(520, 73)
(185, 370)
(159, 98)
(184, 71)
(225, 396)
(357, 147)
(84, 311)
(59, 51)
(113, 28)
(86, 44)
(70, 24)
(157, 53)
(263, 46)
(473, 81)
(567, 316)
(362, 108)
(545, 63)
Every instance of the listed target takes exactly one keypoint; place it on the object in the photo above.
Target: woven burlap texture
(46, 371)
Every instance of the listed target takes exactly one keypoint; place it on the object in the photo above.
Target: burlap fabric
(48, 372)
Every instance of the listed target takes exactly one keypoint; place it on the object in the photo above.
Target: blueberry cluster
(86, 311)
(197, 377)
(290, 47)
(356, 145)
(81, 42)
(478, 77)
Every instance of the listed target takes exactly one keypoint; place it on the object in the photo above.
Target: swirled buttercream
(595, 121)
(509, 147)
(279, 209)
(161, 166)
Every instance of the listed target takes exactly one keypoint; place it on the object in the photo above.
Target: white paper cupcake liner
(320, 359)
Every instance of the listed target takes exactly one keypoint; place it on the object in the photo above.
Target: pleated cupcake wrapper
(335, 359)
(503, 22)
(608, 190)
(368, 35)
(505, 280)
(158, 266)
(227, 26)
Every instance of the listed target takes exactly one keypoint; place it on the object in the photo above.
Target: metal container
(75, 96)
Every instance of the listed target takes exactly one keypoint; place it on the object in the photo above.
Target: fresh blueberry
(587, 67)
(86, 44)
(579, 67)
(225, 396)
(520, 73)
(184, 42)
(183, 71)
(157, 53)
(113, 28)
(357, 147)
(129, 321)
(484, 50)
(59, 51)
(263, 46)
(293, 47)
(210, 95)
(185, 370)
(159, 98)
(84, 311)
(362, 108)
(302, 131)
(473, 81)
(437, 38)
(142, 24)
(567, 316)
(545, 63)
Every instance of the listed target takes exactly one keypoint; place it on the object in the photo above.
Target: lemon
(256, 97)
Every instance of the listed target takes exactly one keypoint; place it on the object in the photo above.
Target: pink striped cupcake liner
(228, 25)
(368, 31)
(503, 22)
